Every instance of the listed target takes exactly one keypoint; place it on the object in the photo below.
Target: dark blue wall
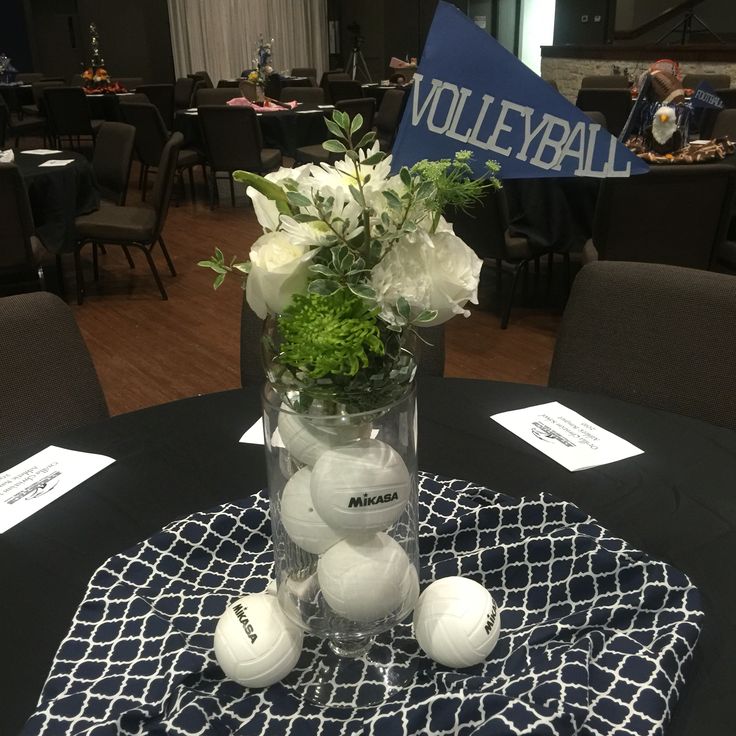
(14, 35)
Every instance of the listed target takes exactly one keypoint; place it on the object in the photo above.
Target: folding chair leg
(128, 256)
(499, 278)
(568, 272)
(550, 269)
(167, 256)
(212, 188)
(79, 275)
(191, 182)
(524, 265)
(141, 171)
(145, 184)
(154, 271)
(232, 188)
(60, 276)
(95, 266)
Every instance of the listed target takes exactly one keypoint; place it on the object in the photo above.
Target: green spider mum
(329, 334)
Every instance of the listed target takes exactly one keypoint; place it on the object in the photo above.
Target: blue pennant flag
(705, 96)
(469, 93)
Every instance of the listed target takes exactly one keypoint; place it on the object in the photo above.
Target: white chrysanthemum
(432, 272)
(266, 211)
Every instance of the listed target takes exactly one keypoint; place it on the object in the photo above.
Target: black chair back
(112, 159)
(130, 83)
(225, 83)
(341, 89)
(615, 105)
(216, 96)
(388, 117)
(633, 216)
(728, 96)
(364, 106)
(150, 131)
(165, 181)
(597, 117)
(28, 77)
(183, 91)
(48, 383)
(232, 138)
(4, 121)
(161, 95)
(725, 125)
(304, 95)
(484, 227)
(38, 89)
(651, 334)
(68, 112)
(205, 79)
(717, 81)
(305, 71)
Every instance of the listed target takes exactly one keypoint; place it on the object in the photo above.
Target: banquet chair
(162, 96)
(388, 117)
(227, 83)
(309, 72)
(303, 95)
(216, 96)
(728, 96)
(183, 92)
(205, 78)
(138, 227)
(22, 254)
(37, 108)
(486, 230)
(150, 138)
(67, 111)
(316, 153)
(48, 382)
(4, 120)
(29, 77)
(725, 125)
(717, 81)
(632, 215)
(112, 159)
(615, 104)
(606, 81)
(430, 350)
(16, 127)
(656, 335)
(232, 141)
(344, 89)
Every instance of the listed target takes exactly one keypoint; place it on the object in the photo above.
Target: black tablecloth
(676, 502)
(286, 130)
(58, 194)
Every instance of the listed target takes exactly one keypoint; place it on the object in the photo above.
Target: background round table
(58, 194)
(675, 502)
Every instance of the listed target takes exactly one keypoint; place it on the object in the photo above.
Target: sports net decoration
(595, 634)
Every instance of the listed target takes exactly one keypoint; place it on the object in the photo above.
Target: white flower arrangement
(353, 261)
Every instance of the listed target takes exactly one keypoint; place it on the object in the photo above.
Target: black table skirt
(285, 130)
(676, 502)
(58, 195)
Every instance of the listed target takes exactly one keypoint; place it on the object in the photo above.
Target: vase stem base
(352, 673)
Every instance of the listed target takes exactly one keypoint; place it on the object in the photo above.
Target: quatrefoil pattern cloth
(595, 635)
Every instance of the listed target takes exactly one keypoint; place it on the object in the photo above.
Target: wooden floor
(148, 351)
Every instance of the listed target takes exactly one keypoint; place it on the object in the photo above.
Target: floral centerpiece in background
(7, 70)
(262, 63)
(353, 263)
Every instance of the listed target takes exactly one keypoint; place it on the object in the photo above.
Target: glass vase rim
(279, 406)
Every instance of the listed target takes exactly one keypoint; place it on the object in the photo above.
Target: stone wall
(568, 73)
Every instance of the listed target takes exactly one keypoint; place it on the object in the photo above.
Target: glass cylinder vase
(343, 503)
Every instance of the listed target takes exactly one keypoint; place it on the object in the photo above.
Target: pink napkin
(244, 102)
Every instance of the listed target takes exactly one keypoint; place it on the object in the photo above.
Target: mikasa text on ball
(303, 524)
(367, 578)
(361, 487)
(255, 643)
(456, 622)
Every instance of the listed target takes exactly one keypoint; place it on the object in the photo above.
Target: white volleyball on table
(362, 487)
(303, 524)
(255, 643)
(366, 578)
(456, 622)
(306, 442)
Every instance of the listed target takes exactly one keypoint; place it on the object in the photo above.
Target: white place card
(36, 482)
(254, 435)
(57, 162)
(326, 107)
(7, 157)
(565, 436)
(318, 112)
(41, 151)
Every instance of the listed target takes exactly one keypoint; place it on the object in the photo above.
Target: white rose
(432, 272)
(279, 269)
(266, 211)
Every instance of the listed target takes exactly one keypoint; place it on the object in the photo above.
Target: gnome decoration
(663, 135)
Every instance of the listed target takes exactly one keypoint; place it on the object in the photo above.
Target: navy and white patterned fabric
(595, 635)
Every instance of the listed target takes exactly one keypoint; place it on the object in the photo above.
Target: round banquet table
(286, 130)
(58, 194)
(676, 502)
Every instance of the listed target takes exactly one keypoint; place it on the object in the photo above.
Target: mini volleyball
(303, 524)
(456, 622)
(306, 442)
(362, 487)
(366, 578)
(256, 645)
